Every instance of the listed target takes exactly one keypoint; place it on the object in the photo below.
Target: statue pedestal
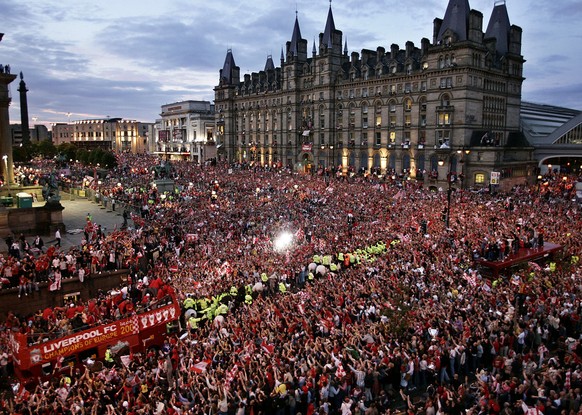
(164, 185)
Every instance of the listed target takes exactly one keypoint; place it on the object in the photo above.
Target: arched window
(434, 162)
(407, 104)
(420, 162)
(376, 161)
(392, 161)
(406, 162)
(454, 164)
(352, 159)
(364, 160)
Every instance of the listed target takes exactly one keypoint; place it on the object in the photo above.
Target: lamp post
(449, 192)
(5, 158)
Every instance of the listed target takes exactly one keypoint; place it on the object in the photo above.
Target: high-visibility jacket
(264, 277)
(193, 322)
(108, 356)
(248, 299)
(282, 287)
(310, 276)
(222, 309)
(316, 259)
(233, 291)
(340, 257)
(552, 266)
(189, 303)
(574, 259)
(333, 267)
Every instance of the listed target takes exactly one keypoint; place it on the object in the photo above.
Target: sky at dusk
(127, 58)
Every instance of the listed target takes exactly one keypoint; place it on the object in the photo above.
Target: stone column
(5, 138)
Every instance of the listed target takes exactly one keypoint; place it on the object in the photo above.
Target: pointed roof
(346, 47)
(314, 50)
(329, 29)
(295, 38)
(228, 67)
(499, 26)
(456, 19)
(269, 65)
(282, 54)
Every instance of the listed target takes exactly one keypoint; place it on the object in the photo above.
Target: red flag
(201, 366)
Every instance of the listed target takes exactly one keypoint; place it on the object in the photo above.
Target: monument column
(5, 139)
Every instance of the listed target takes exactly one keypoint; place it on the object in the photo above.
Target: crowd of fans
(375, 307)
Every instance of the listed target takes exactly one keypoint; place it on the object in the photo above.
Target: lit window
(479, 178)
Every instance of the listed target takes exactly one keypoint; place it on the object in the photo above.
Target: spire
(227, 69)
(269, 65)
(499, 26)
(456, 19)
(296, 37)
(346, 47)
(329, 29)
(314, 50)
(282, 55)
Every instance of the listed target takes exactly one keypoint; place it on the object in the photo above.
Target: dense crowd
(375, 307)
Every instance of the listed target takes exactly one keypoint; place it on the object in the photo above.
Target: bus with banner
(136, 333)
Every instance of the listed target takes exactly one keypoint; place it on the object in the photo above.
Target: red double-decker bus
(136, 333)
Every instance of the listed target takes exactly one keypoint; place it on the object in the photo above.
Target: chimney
(437, 23)
(424, 44)
(515, 33)
(409, 49)
(394, 48)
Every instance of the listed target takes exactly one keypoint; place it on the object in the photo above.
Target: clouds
(127, 58)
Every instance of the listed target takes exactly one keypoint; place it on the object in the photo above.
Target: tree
(46, 149)
(68, 150)
(108, 160)
(21, 154)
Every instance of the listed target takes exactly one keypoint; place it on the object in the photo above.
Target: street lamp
(5, 158)
(450, 179)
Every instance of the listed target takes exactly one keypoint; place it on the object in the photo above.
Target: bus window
(47, 369)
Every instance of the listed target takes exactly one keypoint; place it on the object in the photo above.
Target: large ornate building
(450, 106)
(186, 131)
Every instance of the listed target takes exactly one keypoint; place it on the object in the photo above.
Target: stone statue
(50, 190)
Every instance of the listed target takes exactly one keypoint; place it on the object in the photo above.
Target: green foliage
(21, 154)
(83, 156)
(108, 160)
(46, 149)
(68, 151)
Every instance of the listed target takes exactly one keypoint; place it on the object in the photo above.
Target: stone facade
(449, 106)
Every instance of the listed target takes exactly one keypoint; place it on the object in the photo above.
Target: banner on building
(495, 177)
